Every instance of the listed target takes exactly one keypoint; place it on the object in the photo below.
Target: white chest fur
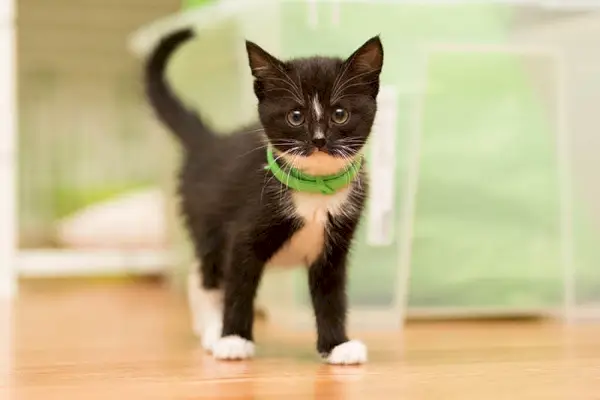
(308, 242)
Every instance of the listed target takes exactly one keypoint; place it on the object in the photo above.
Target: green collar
(297, 180)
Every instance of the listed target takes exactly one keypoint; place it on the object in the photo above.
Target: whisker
(294, 99)
(351, 140)
(300, 80)
(350, 95)
(339, 88)
(341, 76)
(290, 151)
(345, 154)
(287, 81)
(295, 96)
(290, 82)
(289, 78)
(250, 131)
(284, 141)
(287, 182)
(352, 146)
(253, 150)
(294, 160)
(357, 172)
(347, 86)
(265, 145)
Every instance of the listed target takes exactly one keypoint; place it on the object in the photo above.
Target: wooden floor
(114, 342)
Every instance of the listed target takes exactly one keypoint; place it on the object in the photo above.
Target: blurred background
(485, 199)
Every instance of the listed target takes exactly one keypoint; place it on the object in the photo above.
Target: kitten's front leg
(327, 280)
(247, 257)
(241, 284)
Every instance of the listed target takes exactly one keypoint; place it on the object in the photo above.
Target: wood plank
(133, 341)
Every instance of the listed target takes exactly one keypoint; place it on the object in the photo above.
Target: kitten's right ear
(262, 63)
(368, 57)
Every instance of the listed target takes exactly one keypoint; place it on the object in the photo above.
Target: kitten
(315, 115)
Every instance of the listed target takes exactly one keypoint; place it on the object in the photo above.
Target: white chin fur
(318, 163)
(352, 352)
(233, 348)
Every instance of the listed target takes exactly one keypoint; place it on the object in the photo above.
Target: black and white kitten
(317, 114)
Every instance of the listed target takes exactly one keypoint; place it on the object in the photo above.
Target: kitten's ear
(368, 57)
(262, 63)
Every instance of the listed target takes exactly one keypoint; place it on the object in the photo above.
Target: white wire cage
(90, 155)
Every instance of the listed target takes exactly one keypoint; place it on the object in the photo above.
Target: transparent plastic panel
(577, 39)
(574, 36)
(487, 234)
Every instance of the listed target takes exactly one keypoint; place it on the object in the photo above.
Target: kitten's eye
(340, 116)
(295, 118)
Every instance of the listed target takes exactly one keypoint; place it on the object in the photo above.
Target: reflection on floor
(132, 341)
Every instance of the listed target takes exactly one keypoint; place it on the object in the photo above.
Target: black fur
(236, 212)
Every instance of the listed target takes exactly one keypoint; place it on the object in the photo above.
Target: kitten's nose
(319, 142)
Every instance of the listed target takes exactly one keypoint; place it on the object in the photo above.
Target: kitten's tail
(184, 123)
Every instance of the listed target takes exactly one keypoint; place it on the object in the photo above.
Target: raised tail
(184, 123)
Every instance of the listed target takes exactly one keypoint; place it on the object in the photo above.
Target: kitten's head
(318, 112)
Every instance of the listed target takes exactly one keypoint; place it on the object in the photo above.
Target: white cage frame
(7, 150)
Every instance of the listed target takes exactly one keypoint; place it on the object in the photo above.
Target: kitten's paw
(210, 336)
(352, 352)
(233, 348)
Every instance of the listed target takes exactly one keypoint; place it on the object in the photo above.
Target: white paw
(210, 336)
(233, 348)
(351, 352)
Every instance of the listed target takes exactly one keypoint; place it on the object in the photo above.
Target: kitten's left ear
(262, 63)
(368, 57)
